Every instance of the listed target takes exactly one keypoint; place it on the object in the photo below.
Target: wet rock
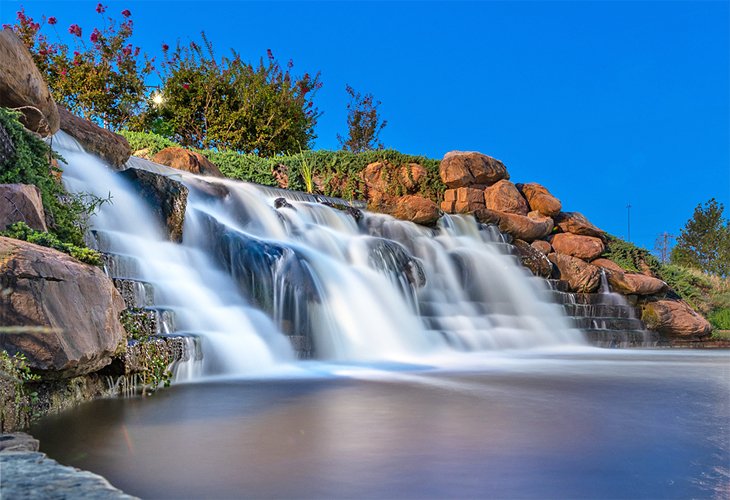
(533, 259)
(67, 313)
(503, 196)
(282, 203)
(540, 199)
(167, 197)
(542, 246)
(189, 161)
(675, 319)
(581, 276)
(22, 87)
(212, 189)
(111, 147)
(529, 228)
(18, 441)
(21, 203)
(583, 247)
(465, 168)
(416, 209)
(576, 223)
(27, 475)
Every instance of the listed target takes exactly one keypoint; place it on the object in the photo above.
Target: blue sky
(605, 103)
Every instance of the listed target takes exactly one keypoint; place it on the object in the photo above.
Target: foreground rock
(503, 196)
(529, 228)
(675, 319)
(533, 259)
(583, 247)
(113, 148)
(581, 276)
(576, 223)
(29, 475)
(540, 199)
(74, 308)
(461, 169)
(21, 203)
(189, 161)
(22, 87)
(167, 197)
(417, 209)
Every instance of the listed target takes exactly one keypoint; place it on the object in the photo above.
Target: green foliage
(102, 79)
(630, 257)
(21, 231)
(363, 123)
(692, 286)
(720, 319)
(16, 368)
(229, 104)
(152, 142)
(66, 214)
(704, 242)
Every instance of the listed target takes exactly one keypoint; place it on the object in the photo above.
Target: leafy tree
(363, 123)
(100, 77)
(229, 104)
(704, 242)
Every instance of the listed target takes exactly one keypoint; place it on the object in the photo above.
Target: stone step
(573, 298)
(121, 266)
(558, 285)
(618, 324)
(136, 294)
(617, 338)
(149, 321)
(600, 310)
(302, 345)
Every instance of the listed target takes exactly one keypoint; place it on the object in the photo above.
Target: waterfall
(260, 270)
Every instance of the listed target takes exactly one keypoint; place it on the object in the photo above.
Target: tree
(229, 104)
(363, 123)
(704, 242)
(662, 246)
(101, 79)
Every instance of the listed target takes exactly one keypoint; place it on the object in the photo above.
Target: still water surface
(592, 424)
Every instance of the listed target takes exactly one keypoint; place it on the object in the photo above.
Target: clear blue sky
(605, 103)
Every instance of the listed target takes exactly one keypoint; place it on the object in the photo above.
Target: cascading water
(254, 269)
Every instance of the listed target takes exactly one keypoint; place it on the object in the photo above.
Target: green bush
(147, 140)
(630, 257)
(21, 231)
(720, 319)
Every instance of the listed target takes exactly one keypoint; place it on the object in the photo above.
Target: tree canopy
(704, 242)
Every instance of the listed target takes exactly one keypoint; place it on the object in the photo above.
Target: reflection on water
(603, 424)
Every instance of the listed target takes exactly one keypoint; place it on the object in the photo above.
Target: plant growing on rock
(21, 231)
(364, 123)
(100, 76)
(230, 104)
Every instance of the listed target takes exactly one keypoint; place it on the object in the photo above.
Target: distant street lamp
(628, 221)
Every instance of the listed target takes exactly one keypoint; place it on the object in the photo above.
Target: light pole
(628, 221)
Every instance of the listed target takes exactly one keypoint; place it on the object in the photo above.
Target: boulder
(540, 199)
(189, 161)
(503, 196)
(468, 200)
(629, 283)
(581, 276)
(460, 169)
(529, 228)
(22, 87)
(608, 264)
(21, 203)
(67, 313)
(486, 216)
(411, 176)
(167, 197)
(576, 223)
(417, 209)
(111, 147)
(674, 318)
(542, 246)
(583, 247)
(533, 259)
(382, 177)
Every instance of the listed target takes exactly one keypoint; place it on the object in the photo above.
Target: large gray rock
(111, 147)
(22, 87)
(167, 197)
(32, 475)
(21, 203)
(67, 313)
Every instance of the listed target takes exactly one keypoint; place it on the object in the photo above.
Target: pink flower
(165, 47)
(75, 29)
(95, 35)
(186, 86)
(52, 21)
(63, 72)
(127, 50)
(100, 8)
(126, 13)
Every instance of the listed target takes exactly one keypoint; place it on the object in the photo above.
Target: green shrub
(720, 319)
(630, 257)
(147, 140)
(21, 231)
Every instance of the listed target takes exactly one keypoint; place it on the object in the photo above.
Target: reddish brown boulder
(674, 318)
(411, 176)
(111, 147)
(583, 247)
(503, 196)
(629, 283)
(468, 200)
(540, 199)
(460, 168)
(542, 246)
(533, 259)
(21, 203)
(189, 161)
(486, 216)
(416, 209)
(66, 312)
(581, 276)
(576, 223)
(529, 228)
(22, 87)
(608, 265)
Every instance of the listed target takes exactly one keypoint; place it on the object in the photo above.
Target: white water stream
(247, 275)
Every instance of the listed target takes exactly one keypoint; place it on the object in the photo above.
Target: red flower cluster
(95, 35)
(75, 29)
(165, 47)
(100, 8)
(52, 21)
(126, 13)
